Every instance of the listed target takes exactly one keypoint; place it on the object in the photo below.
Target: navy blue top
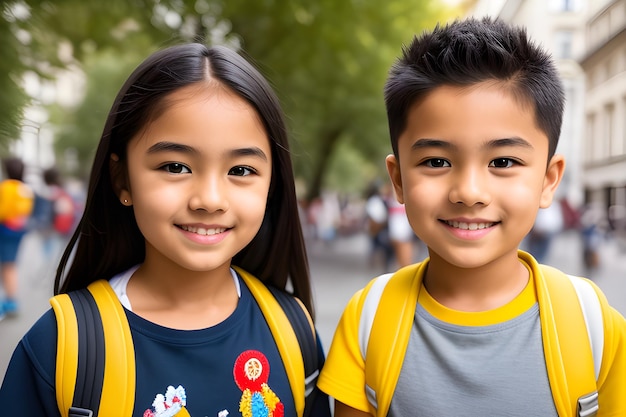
(198, 367)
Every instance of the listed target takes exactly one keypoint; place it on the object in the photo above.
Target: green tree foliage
(327, 59)
(12, 97)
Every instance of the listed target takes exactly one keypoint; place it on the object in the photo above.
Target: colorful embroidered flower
(258, 406)
(269, 397)
(170, 404)
(251, 372)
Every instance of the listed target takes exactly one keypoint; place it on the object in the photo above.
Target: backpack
(93, 331)
(64, 212)
(575, 350)
(16, 203)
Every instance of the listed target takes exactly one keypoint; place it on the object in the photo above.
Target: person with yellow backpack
(184, 290)
(16, 206)
(479, 328)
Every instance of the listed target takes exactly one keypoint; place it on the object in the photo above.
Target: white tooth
(472, 226)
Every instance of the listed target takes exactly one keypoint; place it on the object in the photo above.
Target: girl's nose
(209, 195)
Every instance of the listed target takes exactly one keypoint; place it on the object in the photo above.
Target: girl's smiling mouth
(204, 231)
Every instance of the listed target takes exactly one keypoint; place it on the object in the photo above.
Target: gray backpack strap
(592, 312)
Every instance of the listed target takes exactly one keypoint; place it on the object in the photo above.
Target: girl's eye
(502, 163)
(176, 168)
(437, 163)
(241, 171)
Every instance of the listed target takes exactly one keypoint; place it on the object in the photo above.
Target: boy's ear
(554, 175)
(119, 179)
(393, 168)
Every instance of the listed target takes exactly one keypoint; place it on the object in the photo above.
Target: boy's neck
(476, 289)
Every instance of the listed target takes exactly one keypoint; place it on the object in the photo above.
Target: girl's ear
(393, 168)
(119, 180)
(554, 175)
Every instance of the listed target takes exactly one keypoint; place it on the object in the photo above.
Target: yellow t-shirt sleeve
(343, 375)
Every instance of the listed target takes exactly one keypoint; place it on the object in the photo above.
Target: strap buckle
(80, 412)
(588, 405)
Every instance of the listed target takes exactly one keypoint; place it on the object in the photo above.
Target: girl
(192, 176)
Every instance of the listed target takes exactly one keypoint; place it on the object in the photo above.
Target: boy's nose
(209, 195)
(469, 188)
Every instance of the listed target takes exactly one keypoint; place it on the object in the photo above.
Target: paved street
(338, 269)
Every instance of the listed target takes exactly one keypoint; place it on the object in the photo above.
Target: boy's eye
(241, 171)
(437, 163)
(176, 168)
(502, 163)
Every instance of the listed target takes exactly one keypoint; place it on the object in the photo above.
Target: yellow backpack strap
(284, 336)
(67, 351)
(384, 330)
(95, 354)
(571, 337)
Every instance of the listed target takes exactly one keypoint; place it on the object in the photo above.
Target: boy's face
(472, 173)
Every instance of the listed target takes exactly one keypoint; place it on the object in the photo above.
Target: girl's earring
(126, 202)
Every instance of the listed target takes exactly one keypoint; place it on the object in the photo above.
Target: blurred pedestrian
(57, 212)
(548, 224)
(377, 214)
(401, 234)
(16, 205)
(593, 221)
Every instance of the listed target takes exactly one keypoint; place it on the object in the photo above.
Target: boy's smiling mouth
(469, 225)
(203, 231)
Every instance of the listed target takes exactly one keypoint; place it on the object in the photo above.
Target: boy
(475, 111)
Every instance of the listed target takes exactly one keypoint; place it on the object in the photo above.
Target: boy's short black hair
(471, 51)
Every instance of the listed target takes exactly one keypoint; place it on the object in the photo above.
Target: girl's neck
(182, 299)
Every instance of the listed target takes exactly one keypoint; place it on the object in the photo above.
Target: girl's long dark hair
(107, 240)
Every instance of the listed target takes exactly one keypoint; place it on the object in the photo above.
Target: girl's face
(198, 179)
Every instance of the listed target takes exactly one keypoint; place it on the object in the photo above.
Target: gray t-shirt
(474, 371)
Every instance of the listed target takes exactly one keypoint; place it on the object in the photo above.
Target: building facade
(604, 145)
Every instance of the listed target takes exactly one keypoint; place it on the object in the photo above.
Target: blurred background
(63, 61)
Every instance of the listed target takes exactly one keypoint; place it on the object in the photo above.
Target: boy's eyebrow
(495, 143)
(513, 141)
(431, 143)
(166, 146)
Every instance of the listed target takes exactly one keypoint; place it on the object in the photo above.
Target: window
(565, 5)
(563, 44)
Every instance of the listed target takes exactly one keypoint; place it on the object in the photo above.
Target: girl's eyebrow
(251, 151)
(166, 146)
